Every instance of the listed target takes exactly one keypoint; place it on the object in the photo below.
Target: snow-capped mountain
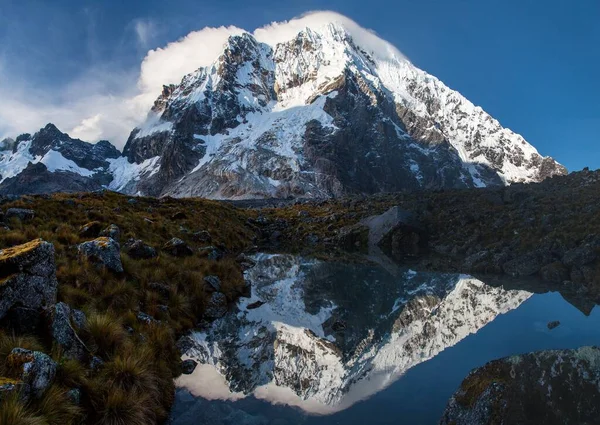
(318, 115)
(332, 345)
(51, 161)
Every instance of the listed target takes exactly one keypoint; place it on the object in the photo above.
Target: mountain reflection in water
(331, 334)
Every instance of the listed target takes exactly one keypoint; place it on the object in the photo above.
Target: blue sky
(533, 65)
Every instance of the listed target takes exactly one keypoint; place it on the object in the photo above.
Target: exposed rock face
(318, 116)
(105, 251)
(66, 323)
(549, 387)
(314, 116)
(51, 161)
(37, 370)
(28, 276)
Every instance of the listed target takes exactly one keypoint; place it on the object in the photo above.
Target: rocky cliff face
(51, 161)
(319, 116)
(315, 116)
(332, 345)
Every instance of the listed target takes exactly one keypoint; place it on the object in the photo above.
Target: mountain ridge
(316, 116)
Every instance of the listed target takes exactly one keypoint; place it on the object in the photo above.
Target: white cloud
(145, 31)
(279, 32)
(105, 104)
(168, 65)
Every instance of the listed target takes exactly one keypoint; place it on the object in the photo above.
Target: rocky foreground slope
(89, 314)
(316, 116)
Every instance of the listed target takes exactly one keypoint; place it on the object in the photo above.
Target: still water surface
(360, 343)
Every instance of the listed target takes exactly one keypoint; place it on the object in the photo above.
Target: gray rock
(20, 213)
(211, 253)
(555, 387)
(212, 284)
(96, 363)
(146, 318)
(188, 366)
(37, 369)
(217, 306)
(112, 232)
(139, 250)
(28, 272)
(177, 248)
(579, 256)
(75, 396)
(12, 387)
(104, 251)
(66, 323)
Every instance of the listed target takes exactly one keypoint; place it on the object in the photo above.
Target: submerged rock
(547, 387)
(28, 276)
(188, 366)
(103, 250)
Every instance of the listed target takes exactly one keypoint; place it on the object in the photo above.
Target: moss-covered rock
(555, 387)
(27, 276)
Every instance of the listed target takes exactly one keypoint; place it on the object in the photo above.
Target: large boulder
(35, 369)
(104, 251)
(66, 323)
(139, 250)
(547, 387)
(27, 276)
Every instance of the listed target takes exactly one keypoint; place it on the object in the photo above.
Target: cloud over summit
(109, 104)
